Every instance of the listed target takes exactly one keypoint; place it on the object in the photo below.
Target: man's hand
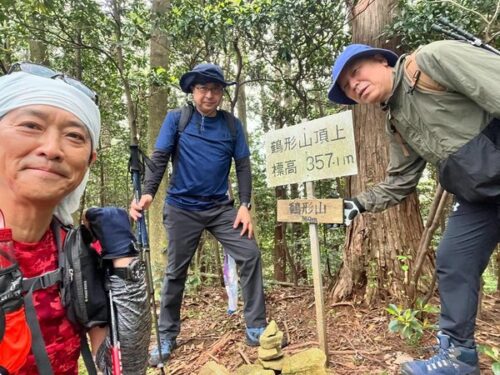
(351, 209)
(136, 208)
(243, 217)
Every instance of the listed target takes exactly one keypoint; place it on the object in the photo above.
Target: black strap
(43, 281)
(3, 371)
(38, 344)
(87, 355)
(230, 122)
(3, 323)
(186, 114)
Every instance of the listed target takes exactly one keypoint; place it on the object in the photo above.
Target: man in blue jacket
(197, 200)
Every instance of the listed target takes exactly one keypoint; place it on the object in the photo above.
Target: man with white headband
(49, 130)
(48, 134)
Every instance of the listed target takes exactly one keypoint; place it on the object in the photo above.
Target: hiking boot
(450, 360)
(253, 336)
(167, 346)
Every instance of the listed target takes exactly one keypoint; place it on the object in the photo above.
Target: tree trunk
(157, 112)
(38, 52)
(120, 61)
(377, 245)
(37, 48)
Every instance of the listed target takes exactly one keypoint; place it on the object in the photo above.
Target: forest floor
(358, 338)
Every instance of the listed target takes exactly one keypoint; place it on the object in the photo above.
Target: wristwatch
(135, 271)
(247, 205)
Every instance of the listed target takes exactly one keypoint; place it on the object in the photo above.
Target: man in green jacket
(443, 107)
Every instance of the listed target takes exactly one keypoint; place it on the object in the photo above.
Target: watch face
(137, 270)
(247, 205)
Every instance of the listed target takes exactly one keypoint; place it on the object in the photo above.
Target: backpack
(81, 278)
(473, 179)
(419, 79)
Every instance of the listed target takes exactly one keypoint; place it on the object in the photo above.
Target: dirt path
(358, 339)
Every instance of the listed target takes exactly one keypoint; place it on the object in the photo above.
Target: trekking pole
(136, 169)
(116, 357)
(461, 34)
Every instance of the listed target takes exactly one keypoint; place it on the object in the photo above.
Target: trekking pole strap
(87, 355)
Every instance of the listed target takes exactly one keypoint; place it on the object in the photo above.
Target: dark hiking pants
(472, 234)
(184, 231)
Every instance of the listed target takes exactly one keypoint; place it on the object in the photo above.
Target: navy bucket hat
(203, 73)
(354, 51)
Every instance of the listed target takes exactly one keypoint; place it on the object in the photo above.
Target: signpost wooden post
(318, 149)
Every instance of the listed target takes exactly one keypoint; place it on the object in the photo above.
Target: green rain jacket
(457, 129)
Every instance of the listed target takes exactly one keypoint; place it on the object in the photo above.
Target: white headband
(22, 89)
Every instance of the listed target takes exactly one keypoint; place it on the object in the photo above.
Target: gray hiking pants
(184, 231)
(472, 234)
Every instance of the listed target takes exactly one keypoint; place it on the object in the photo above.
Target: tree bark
(157, 111)
(120, 61)
(377, 245)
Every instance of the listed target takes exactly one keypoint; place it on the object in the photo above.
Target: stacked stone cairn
(270, 354)
(273, 361)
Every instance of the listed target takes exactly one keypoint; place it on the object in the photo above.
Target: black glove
(111, 226)
(352, 208)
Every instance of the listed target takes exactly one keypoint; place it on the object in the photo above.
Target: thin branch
(493, 19)
(464, 8)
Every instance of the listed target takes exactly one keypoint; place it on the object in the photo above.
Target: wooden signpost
(312, 211)
(318, 149)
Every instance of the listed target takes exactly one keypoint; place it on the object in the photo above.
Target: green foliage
(193, 283)
(405, 262)
(280, 50)
(413, 23)
(494, 354)
(411, 324)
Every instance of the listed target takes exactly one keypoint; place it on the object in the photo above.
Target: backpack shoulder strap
(231, 124)
(186, 114)
(418, 78)
(50, 278)
(30, 285)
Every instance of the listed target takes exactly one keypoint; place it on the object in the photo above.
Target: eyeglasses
(43, 71)
(216, 90)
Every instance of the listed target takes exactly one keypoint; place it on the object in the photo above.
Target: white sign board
(314, 150)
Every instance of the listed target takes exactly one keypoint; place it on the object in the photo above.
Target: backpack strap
(419, 79)
(29, 286)
(186, 114)
(230, 123)
(41, 282)
(60, 234)
(38, 344)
